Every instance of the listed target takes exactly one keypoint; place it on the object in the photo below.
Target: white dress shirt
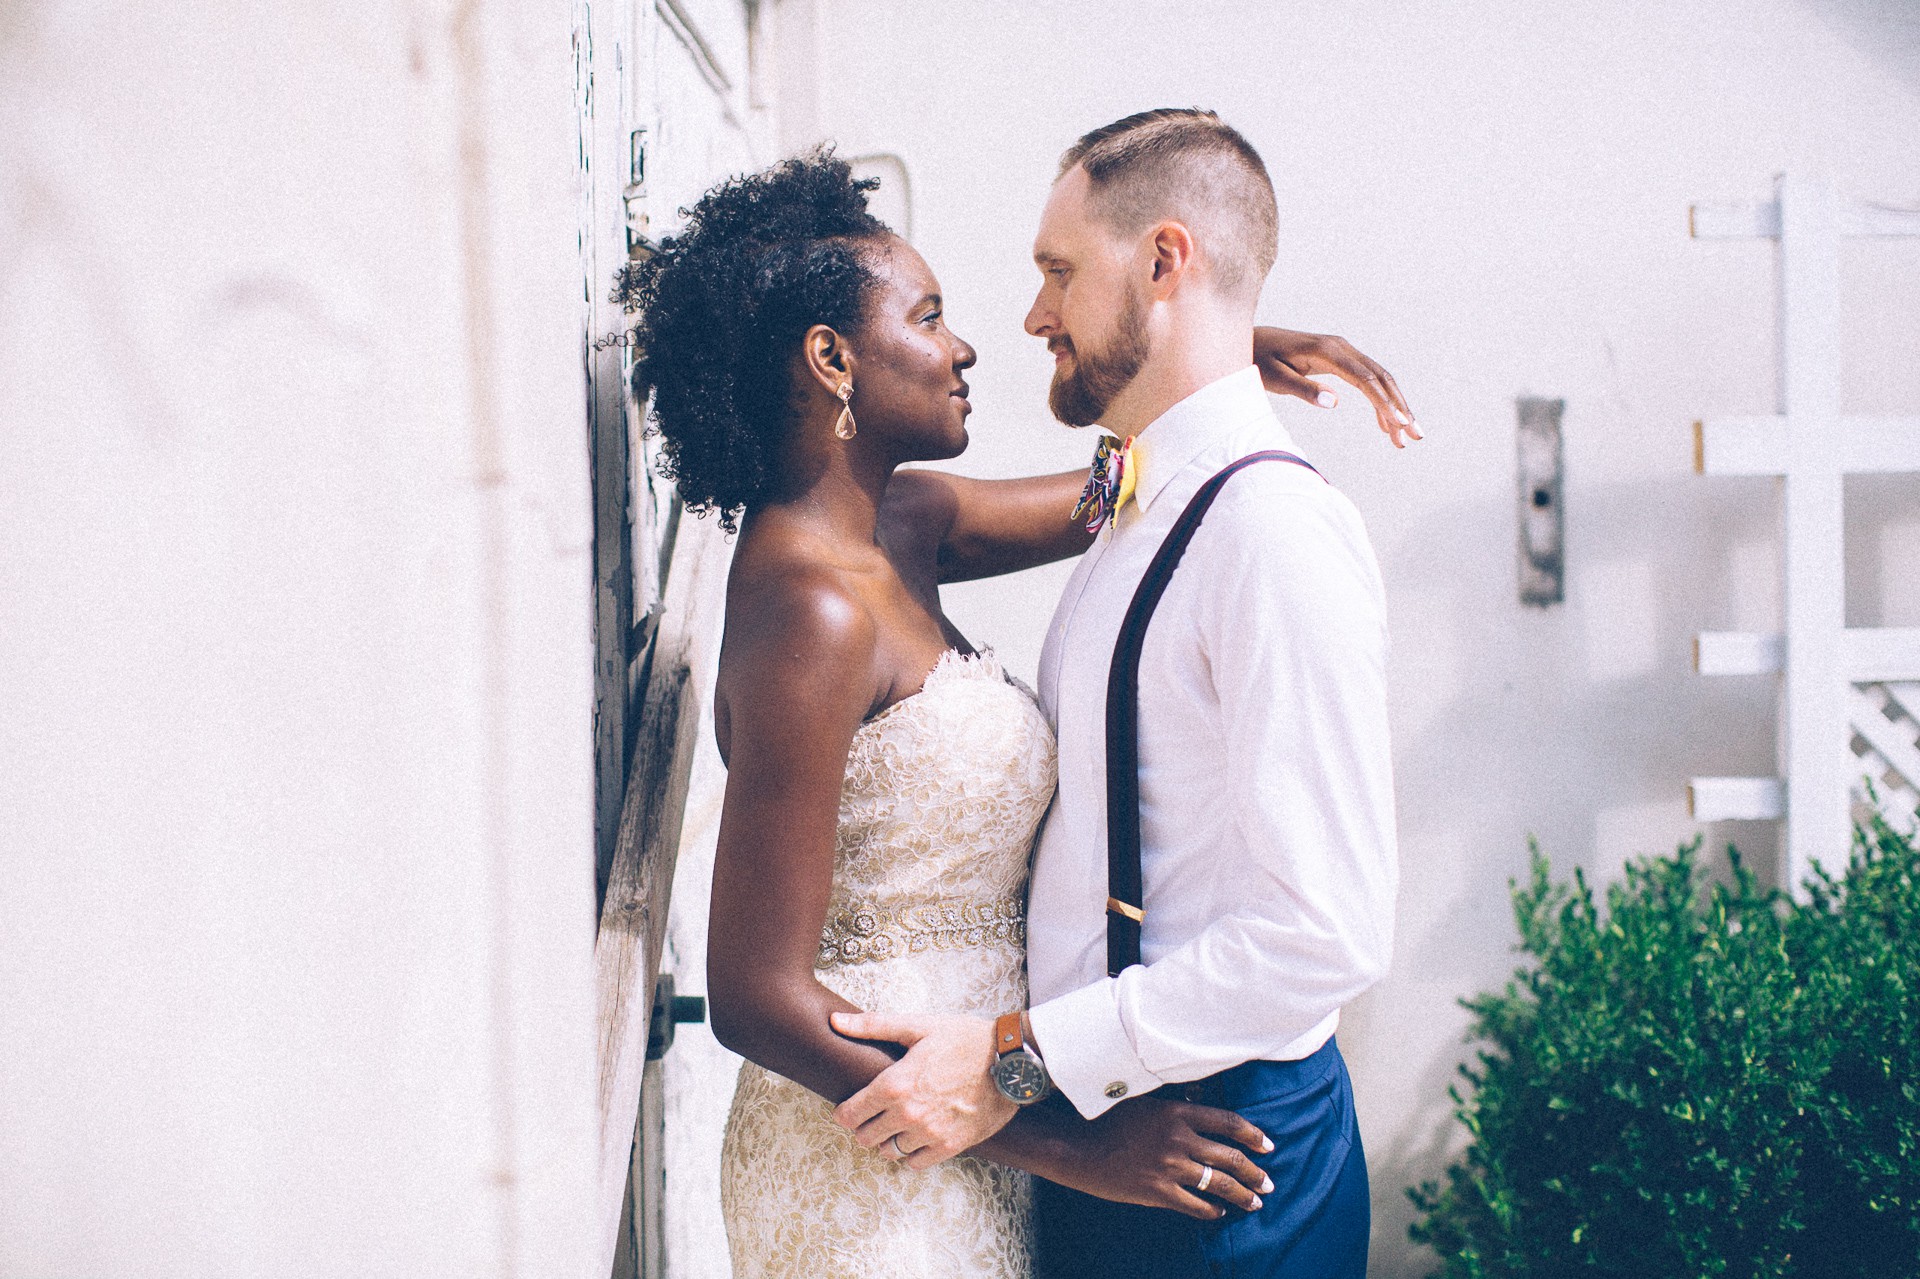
(1267, 828)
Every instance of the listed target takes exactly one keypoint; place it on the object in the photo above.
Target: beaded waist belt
(862, 933)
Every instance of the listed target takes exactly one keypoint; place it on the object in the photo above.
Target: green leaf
(1699, 1077)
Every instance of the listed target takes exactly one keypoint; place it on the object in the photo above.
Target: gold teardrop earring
(844, 427)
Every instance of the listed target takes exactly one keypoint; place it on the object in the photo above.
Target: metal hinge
(634, 196)
(671, 1010)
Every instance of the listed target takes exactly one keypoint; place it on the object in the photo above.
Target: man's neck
(1175, 370)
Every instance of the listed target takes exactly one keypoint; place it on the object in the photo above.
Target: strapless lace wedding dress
(943, 794)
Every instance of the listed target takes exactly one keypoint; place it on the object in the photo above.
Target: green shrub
(1702, 1079)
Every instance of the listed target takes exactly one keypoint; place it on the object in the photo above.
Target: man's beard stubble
(1081, 397)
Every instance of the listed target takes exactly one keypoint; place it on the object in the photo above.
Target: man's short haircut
(1185, 164)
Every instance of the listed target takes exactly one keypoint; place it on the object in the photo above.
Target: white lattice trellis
(1886, 724)
(1849, 698)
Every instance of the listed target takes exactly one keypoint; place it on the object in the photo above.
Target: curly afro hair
(722, 308)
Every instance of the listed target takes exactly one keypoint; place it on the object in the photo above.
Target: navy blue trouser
(1313, 1225)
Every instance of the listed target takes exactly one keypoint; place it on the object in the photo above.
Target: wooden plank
(1758, 445)
(1902, 807)
(1878, 655)
(1762, 221)
(633, 920)
(1738, 653)
(1812, 447)
(646, 1206)
(1882, 445)
(1899, 807)
(699, 49)
(626, 1252)
(1813, 737)
(1897, 801)
(1905, 695)
(612, 617)
(599, 29)
(1736, 799)
(1868, 654)
(1893, 742)
(1878, 219)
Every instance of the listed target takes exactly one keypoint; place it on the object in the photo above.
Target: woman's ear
(829, 360)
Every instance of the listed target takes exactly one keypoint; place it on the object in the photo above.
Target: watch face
(1020, 1077)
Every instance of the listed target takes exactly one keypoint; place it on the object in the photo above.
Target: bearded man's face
(1088, 374)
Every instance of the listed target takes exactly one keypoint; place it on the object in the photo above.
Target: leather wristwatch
(1018, 1072)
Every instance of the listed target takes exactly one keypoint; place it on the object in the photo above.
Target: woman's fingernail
(1326, 399)
(1266, 1145)
(1266, 1186)
(1256, 1204)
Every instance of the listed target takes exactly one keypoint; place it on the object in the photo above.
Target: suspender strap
(1125, 896)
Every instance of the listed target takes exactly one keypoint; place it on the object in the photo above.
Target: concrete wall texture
(295, 644)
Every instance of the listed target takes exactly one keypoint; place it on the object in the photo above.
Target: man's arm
(1292, 631)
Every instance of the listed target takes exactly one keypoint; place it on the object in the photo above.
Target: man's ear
(829, 360)
(1171, 249)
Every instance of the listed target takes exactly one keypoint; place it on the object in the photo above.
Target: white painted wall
(296, 882)
(1490, 197)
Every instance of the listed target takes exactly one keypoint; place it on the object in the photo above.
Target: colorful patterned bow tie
(1109, 482)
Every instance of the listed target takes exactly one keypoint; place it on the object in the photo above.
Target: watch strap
(1009, 1033)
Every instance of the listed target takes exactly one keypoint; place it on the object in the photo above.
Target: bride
(885, 778)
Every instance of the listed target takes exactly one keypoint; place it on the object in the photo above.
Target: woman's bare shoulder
(790, 610)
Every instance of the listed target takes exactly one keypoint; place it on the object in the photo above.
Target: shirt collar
(1179, 435)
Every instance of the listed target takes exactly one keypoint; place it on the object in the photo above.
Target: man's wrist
(1033, 1042)
(1017, 1070)
(1091, 1056)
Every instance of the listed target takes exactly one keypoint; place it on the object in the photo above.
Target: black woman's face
(908, 387)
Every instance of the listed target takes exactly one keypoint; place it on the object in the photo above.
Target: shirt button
(1116, 1090)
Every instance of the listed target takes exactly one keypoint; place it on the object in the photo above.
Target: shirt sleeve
(1292, 630)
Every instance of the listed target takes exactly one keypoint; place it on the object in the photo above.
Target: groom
(1265, 858)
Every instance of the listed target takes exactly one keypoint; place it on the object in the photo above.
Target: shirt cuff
(1088, 1053)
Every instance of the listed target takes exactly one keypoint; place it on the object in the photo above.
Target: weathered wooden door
(669, 104)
